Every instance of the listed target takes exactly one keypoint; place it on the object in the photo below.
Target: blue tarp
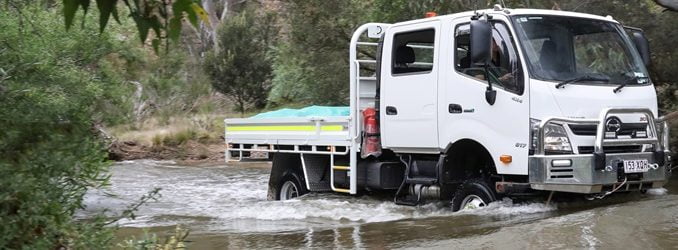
(312, 111)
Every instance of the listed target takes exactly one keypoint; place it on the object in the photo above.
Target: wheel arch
(284, 163)
(468, 158)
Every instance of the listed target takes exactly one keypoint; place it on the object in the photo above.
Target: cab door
(503, 127)
(408, 88)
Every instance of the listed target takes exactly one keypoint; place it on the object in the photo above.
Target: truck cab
(473, 106)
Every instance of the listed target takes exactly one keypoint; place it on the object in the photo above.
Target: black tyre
(472, 194)
(290, 187)
(286, 180)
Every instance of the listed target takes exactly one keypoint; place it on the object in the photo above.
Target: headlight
(555, 137)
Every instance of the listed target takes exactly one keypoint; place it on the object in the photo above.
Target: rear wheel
(286, 181)
(290, 188)
(472, 194)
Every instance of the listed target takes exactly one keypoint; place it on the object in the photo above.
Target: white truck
(475, 106)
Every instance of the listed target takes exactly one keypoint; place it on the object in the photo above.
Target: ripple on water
(233, 198)
(657, 191)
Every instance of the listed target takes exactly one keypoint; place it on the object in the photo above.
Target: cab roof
(511, 12)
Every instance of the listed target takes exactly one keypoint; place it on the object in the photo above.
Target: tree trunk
(209, 31)
(139, 104)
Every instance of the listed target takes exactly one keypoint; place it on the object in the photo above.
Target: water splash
(506, 206)
(657, 191)
(233, 198)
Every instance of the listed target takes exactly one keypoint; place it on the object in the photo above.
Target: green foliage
(312, 63)
(54, 91)
(662, 34)
(242, 67)
(163, 17)
(291, 81)
(173, 83)
(601, 53)
(403, 10)
(49, 153)
(667, 93)
(152, 242)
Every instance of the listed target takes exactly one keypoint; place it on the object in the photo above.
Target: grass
(173, 132)
(175, 129)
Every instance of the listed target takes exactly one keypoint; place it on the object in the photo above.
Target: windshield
(564, 48)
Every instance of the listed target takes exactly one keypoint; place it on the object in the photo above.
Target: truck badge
(613, 124)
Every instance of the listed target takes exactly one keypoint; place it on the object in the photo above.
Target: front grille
(590, 130)
(583, 129)
(613, 149)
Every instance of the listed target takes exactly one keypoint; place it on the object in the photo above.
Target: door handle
(390, 110)
(454, 108)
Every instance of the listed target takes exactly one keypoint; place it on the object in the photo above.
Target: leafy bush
(50, 95)
(150, 241)
(242, 67)
(312, 65)
(668, 102)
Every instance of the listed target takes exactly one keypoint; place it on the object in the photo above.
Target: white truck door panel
(409, 88)
(502, 128)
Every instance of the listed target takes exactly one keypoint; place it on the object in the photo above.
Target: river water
(225, 206)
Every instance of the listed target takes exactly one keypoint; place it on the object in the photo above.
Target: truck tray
(329, 131)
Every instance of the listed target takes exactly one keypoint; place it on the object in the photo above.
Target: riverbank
(188, 139)
(190, 152)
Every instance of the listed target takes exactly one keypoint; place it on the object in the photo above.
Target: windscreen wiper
(627, 82)
(581, 78)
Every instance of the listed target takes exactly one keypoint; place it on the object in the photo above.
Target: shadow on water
(226, 207)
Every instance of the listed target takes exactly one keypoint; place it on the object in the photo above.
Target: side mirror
(641, 42)
(481, 39)
(481, 49)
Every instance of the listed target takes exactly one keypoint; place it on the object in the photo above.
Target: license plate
(636, 166)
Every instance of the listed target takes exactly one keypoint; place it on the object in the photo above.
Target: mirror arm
(487, 76)
(490, 93)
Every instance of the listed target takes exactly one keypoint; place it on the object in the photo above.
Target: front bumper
(551, 173)
(600, 171)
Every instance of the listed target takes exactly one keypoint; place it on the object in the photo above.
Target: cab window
(504, 69)
(413, 52)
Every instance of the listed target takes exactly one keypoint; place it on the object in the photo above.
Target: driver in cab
(499, 68)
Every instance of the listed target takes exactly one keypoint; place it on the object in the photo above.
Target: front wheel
(472, 194)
